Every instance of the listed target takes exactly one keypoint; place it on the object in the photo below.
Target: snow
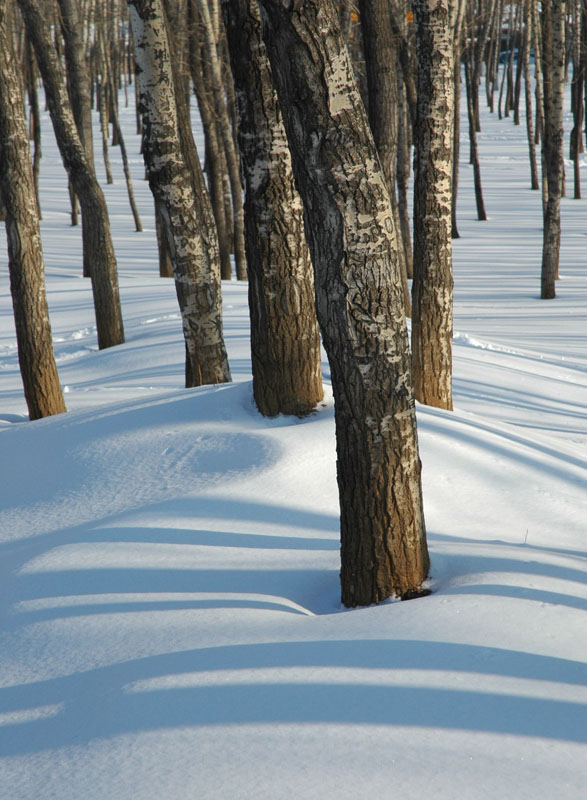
(171, 623)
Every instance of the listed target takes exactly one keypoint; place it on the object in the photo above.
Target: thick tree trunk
(553, 37)
(285, 343)
(97, 241)
(197, 283)
(359, 301)
(432, 288)
(25, 257)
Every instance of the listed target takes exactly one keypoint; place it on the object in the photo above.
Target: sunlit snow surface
(171, 623)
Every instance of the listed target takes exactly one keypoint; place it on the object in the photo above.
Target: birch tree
(432, 288)
(25, 257)
(352, 240)
(285, 342)
(553, 73)
(197, 278)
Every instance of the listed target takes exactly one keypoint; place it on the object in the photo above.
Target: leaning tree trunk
(97, 241)
(359, 301)
(432, 288)
(25, 257)
(553, 71)
(197, 284)
(285, 343)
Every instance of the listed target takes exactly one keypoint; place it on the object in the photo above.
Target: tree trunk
(381, 58)
(359, 301)
(197, 284)
(227, 138)
(215, 162)
(432, 287)
(25, 257)
(97, 241)
(285, 343)
(534, 181)
(78, 76)
(553, 58)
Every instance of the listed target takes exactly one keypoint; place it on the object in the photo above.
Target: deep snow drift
(171, 624)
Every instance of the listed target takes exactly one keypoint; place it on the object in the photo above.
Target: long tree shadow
(180, 689)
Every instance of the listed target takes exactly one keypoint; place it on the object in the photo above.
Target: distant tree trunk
(227, 137)
(553, 72)
(359, 301)
(534, 181)
(97, 241)
(78, 75)
(433, 144)
(215, 162)
(381, 57)
(285, 342)
(577, 87)
(35, 118)
(25, 257)
(197, 285)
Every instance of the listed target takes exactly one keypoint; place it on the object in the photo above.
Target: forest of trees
(313, 114)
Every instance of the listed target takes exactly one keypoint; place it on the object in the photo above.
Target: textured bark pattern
(285, 343)
(359, 301)
(380, 47)
(77, 74)
(197, 285)
(432, 288)
(25, 258)
(97, 241)
(553, 70)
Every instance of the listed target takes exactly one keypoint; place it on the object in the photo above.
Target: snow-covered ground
(171, 624)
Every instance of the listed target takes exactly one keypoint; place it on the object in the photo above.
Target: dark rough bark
(433, 153)
(285, 342)
(197, 278)
(359, 301)
(380, 47)
(78, 75)
(25, 257)
(553, 72)
(97, 241)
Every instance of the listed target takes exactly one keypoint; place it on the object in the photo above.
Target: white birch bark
(432, 288)
(197, 280)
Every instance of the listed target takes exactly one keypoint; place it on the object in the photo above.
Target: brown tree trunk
(197, 281)
(381, 58)
(359, 301)
(433, 152)
(215, 162)
(25, 257)
(97, 241)
(553, 72)
(227, 138)
(285, 343)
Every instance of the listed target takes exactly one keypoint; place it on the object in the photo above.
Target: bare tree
(25, 256)
(432, 287)
(352, 239)
(197, 280)
(285, 342)
(553, 75)
(97, 241)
